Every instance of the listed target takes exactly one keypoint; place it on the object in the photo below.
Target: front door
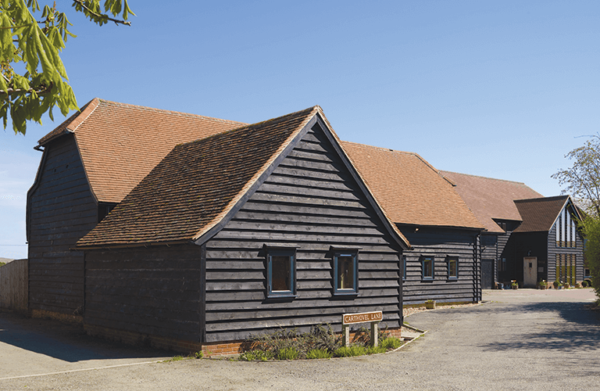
(529, 272)
(487, 273)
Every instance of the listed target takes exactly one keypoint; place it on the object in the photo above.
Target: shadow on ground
(65, 342)
(576, 329)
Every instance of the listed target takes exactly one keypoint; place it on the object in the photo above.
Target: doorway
(529, 272)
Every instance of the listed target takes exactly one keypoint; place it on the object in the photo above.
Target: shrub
(287, 354)
(391, 343)
(318, 353)
(556, 284)
(199, 355)
(589, 282)
(542, 283)
(584, 284)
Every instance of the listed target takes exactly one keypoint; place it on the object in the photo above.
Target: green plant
(287, 354)
(2, 264)
(584, 284)
(556, 284)
(350, 351)
(199, 355)
(589, 282)
(514, 285)
(318, 353)
(542, 283)
(375, 349)
(256, 355)
(391, 343)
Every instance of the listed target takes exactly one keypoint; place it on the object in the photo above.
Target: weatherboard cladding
(61, 209)
(490, 198)
(409, 189)
(309, 201)
(120, 143)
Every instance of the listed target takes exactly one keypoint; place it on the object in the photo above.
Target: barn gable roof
(199, 185)
(491, 198)
(120, 143)
(539, 214)
(410, 189)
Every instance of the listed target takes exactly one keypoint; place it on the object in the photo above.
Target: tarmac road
(517, 340)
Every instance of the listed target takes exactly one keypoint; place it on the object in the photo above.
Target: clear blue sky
(500, 89)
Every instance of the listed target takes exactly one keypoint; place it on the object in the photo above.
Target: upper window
(427, 268)
(566, 229)
(281, 272)
(345, 272)
(452, 268)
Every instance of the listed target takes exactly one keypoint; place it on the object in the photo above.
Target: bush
(589, 282)
(376, 349)
(318, 353)
(584, 284)
(391, 343)
(287, 354)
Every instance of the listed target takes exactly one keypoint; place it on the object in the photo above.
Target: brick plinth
(209, 349)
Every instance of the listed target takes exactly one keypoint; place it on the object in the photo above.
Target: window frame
(335, 254)
(403, 267)
(448, 259)
(271, 252)
(423, 276)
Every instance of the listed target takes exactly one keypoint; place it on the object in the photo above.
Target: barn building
(247, 231)
(89, 163)
(444, 233)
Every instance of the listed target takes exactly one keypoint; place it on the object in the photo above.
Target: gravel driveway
(517, 340)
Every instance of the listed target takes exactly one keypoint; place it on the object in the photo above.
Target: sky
(502, 89)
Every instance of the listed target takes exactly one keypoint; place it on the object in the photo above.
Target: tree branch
(102, 15)
(42, 90)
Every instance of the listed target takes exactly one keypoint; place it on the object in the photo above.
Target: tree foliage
(591, 231)
(33, 78)
(582, 180)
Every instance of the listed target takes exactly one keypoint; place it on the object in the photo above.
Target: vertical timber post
(374, 333)
(202, 288)
(346, 334)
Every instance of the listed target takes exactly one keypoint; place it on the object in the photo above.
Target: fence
(13, 285)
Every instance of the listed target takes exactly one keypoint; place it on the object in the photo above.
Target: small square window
(281, 272)
(427, 268)
(345, 272)
(452, 268)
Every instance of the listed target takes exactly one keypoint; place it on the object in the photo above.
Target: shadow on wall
(63, 342)
(579, 332)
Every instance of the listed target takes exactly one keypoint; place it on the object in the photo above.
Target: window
(566, 229)
(427, 268)
(452, 268)
(345, 272)
(281, 272)
(403, 267)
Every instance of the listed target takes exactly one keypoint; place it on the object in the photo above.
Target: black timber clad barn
(547, 245)
(492, 202)
(89, 163)
(244, 232)
(444, 262)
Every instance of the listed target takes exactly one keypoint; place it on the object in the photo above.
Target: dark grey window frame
(423, 276)
(335, 253)
(271, 251)
(448, 259)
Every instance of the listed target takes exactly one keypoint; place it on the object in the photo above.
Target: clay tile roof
(491, 198)
(197, 184)
(409, 189)
(539, 214)
(120, 143)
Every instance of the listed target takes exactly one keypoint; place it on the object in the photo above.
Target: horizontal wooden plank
(298, 303)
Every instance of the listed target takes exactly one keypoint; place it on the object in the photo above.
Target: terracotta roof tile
(409, 189)
(120, 143)
(539, 214)
(196, 184)
(491, 198)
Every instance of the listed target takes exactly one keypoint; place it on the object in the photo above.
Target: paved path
(518, 340)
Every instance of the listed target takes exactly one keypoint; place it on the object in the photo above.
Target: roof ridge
(553, 198)
(169, 111)
(485, 177)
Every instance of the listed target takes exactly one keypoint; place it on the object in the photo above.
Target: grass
(318, 353)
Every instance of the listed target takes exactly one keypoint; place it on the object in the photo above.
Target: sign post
(366, 317)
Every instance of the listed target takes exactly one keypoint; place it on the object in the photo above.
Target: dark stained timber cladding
(439, 244)
(145, 290)
(61, 210)
(553, 250)
(309, 202)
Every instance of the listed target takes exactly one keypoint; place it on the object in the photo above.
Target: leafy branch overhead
(33, 78)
